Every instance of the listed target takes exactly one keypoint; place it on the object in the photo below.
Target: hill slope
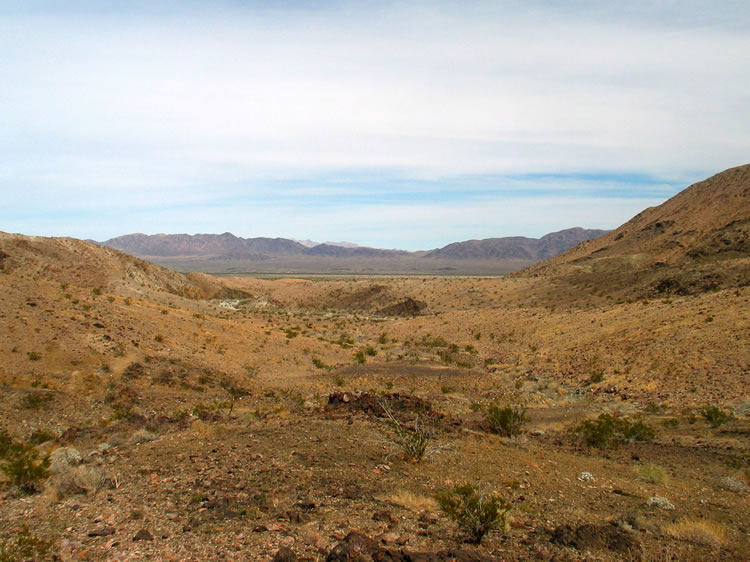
(85, 264)
(698, 240)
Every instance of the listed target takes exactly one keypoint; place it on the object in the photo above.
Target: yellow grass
(700, 531)
(414, 502)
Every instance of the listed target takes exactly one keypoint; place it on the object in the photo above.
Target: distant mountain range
(229, 246)
(516, 247)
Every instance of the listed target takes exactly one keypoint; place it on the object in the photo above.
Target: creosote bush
(476, 513)
(715, 416)
(23, 467)
(25, 546)
(610, 431)
(413, 440)
(506, 420)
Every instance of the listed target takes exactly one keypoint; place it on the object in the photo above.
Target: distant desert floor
(254, 428)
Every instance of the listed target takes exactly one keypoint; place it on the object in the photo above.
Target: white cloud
(175, 105)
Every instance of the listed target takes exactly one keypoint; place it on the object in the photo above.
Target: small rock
(285, 554)
(384, 516)
(661, 503)
(313, 539)
(390, 538)
(429, 517)
(143, 535)
(586, 477)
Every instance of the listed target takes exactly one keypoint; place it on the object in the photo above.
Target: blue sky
(391, 124)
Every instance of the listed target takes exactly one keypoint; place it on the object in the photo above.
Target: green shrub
(25, 546)
(506, 420)
(653, 474)
(36, 400)
(371, 351)
(359, 357)
(609, 431)
(319, 363)
(6, 443)
(715, 415)
(34, 355)
(476, 513)
(41, 436)
(413, 440)
(24, 468)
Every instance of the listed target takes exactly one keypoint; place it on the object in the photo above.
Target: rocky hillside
(517, 247)
(698, 240)
(84, 264)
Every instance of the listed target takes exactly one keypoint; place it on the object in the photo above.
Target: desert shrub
(476, 513)
(653, 474)
(319, 363)
(25, 546)
(34, 356)
(371, 351)
(35, 400)
(609, 431)
(6, 443)
(41, 436)
(235, 393)
(714, 415)
(359, 357)
(506, 420)
(413, 439)
(24, 468)
(736, 485)
(80, 480)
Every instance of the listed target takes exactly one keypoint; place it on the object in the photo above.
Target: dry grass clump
(699, 531)
(143, 436)
(414, 502)
(80, 480)
(653, 474)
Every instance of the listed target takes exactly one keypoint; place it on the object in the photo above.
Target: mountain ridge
(227, 245)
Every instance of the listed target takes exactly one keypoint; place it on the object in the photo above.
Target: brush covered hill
(517, 247)
(697, 241)
(76, 262)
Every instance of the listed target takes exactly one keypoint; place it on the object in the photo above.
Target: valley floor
(233, 428)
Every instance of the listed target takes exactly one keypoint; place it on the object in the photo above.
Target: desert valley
(591, 406)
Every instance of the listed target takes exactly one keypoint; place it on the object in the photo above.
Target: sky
(390, 124)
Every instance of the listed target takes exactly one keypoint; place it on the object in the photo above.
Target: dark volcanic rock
(143, 535)
(285, 554)
(407, 307)
(596, 537)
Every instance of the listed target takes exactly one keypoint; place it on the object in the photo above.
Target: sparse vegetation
(413, 439)
(610, 431)
(698, 531)
(653, 474)
(24, 468)
(475, 513)
(36, 400)
(25, 545)
(505, 420)
(714, 415)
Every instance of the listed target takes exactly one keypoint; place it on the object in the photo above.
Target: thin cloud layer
(361, 110)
